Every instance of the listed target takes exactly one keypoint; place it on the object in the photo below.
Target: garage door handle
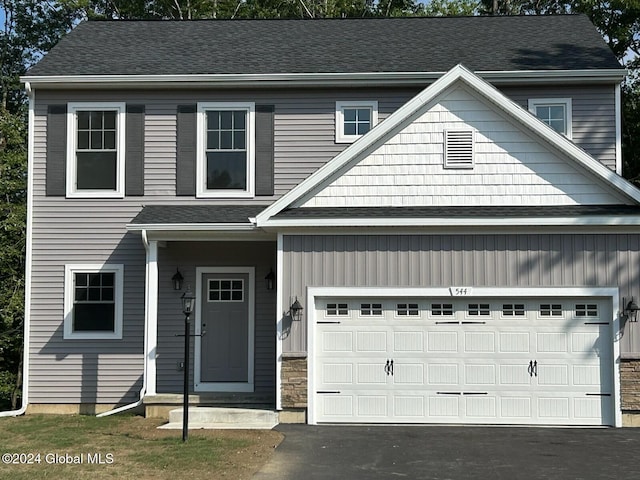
(388, 368)
(535, 368)
(530, 369)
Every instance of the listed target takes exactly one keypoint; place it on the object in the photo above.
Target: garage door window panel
(587, 310)
(407, 310)
(548, 310)
(337, 309)
(442, 310)
(371, 309)
(513, 310)
(479, 310)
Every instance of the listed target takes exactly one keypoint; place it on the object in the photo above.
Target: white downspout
(28, 260)
(143, 390)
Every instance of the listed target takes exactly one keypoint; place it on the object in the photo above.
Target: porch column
(151, 301)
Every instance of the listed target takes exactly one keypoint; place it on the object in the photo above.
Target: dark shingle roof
(567, 42)
(181, 214)
(460, 212)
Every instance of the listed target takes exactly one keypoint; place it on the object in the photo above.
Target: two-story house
(416, 220)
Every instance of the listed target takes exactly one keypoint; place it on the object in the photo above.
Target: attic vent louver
(458, 149)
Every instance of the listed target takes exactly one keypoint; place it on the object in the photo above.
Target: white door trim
(247, 386)
(522, 292)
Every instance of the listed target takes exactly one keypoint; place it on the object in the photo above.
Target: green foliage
(451, 8)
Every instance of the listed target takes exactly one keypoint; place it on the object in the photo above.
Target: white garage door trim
(486, 292)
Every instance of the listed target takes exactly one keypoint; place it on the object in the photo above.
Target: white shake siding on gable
(511, 167)
(474, 260)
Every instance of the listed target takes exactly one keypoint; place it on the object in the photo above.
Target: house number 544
(460, 291)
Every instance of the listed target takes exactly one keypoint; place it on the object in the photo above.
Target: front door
(226, 333)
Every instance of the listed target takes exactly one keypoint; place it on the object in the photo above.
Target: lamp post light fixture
(631, 309)
(295, 310)
(177, 280)
(188, 305)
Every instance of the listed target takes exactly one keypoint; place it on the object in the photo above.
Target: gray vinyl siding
(187, 256)
(93, 230)
(525, 260)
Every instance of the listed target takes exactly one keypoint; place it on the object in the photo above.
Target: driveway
(453, 453)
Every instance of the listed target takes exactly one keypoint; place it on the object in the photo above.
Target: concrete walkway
(453, 453)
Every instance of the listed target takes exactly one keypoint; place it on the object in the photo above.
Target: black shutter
(134, 152)
(56, 174)
(264, 149)
(186, 151)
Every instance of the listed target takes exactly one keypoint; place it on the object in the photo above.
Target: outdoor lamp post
(188, 304)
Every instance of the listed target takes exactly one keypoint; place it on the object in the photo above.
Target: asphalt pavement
(454, 453)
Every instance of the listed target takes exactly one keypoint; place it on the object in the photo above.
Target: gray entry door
(225, 327)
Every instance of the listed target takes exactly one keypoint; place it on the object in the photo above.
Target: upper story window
(226, 153)
(95, 150)
(354, 119)
(93, 301)
(555, 112)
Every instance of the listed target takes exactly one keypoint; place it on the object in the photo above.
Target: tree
(29, 28)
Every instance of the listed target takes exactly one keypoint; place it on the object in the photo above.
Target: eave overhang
(316, 79)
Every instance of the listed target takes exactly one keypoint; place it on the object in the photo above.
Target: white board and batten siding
(444, 359)
(511, 167)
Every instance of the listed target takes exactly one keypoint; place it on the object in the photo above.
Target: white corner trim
(354, 152)
(249, 385)
(279, 317)
(151, 315)
(618, 121)
(201, 160)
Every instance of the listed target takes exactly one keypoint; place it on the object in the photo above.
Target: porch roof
(460, 211)
(193, 216)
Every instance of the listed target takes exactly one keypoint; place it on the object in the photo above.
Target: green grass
(129, 447)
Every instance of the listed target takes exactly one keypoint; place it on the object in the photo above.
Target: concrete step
(218, 417)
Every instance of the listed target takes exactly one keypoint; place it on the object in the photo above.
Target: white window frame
(340, 108)
(69, 296)
(201, 162)
(72, 138)
(534, 103)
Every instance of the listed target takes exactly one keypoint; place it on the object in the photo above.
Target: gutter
(374, 79)
(143, 390)
(28, 260)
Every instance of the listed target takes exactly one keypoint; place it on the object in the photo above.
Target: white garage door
(469, 360)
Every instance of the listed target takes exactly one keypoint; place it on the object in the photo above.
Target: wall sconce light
(270, 279)
(296, 310)
(631, 309)
(177, 280)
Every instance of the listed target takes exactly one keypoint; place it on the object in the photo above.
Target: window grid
(407, 309)
(513, 310)
(93, 302)
(357, 121)
(226, 290)
(586, 310)
(442, 309)
(371, 309)
(550, 310)
(334, 309)
(479, 309)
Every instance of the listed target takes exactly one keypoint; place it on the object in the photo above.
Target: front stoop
(223, 418)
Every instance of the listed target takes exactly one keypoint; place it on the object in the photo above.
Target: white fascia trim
(501, 292)
(618, 121)
(359, 149)
(601, 220)
(192, 227)
(325, 79)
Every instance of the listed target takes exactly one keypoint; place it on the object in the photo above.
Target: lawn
(126, 447)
